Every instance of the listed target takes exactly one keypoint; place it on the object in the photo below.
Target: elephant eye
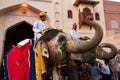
(45, 52)
(59, 49)
(62, 39)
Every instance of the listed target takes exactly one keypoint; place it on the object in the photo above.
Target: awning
(89, 2)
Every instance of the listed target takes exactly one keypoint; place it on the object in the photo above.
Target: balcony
(89, 2)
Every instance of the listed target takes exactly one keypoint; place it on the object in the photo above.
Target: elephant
(53, 38)
(60, 45)
(67, 46)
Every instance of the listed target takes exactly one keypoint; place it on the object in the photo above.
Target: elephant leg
(49, 68)
(72, 71)
(1, 71)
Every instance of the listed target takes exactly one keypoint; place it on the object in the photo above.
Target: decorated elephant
(57, 47)
(60, 46)
(55, 39)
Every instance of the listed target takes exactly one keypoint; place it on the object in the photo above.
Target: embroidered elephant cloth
(18, 63)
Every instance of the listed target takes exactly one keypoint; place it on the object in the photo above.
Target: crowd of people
(95, 71)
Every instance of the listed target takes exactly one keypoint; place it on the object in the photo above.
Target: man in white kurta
(39, 25)
(74, 33)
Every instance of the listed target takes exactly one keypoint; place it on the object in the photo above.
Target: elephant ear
(105, 51)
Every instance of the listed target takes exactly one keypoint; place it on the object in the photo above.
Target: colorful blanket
(18, 63)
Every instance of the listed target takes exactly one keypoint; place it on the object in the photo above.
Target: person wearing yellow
(39, 25)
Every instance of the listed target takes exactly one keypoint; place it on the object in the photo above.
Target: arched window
(57, 15)
(114, 23)
(86, 12)
(69, 13)
(97, 17)
(57, 24)
(57, 6)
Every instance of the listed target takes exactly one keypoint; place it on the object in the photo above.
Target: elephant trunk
(80, 46)
(102, 54)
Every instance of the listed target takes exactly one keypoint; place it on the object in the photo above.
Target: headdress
(74, 25)
(42, 14)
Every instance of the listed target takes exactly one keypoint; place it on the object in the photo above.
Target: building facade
(112, 15)
(112, 22)
(17, 17)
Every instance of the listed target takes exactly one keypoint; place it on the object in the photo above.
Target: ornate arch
(9, 8)
(17, 33)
